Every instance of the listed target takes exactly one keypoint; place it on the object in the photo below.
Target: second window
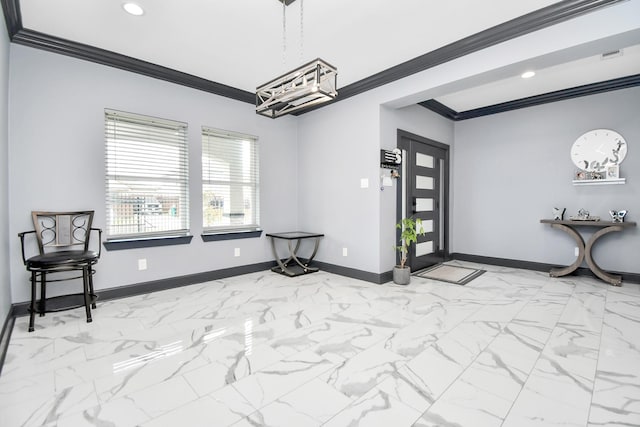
(230, 182)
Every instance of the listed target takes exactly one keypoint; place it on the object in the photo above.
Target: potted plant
(411, 229)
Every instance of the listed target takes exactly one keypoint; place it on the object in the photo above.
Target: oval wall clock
(595, 150)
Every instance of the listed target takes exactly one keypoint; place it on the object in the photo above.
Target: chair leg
(43, 293)
(87, 298)
(33, 301)
(91, 270)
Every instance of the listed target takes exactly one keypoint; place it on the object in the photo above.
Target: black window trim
(147, 242)
(230, 235)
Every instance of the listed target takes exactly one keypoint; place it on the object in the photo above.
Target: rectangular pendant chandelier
(309, 85)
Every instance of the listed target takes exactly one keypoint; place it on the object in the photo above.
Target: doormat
(450, 273)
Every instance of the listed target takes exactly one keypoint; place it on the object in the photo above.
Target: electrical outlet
(142, 264)
(344, 251)
(236, 252)
(576, 251)
(364, 183)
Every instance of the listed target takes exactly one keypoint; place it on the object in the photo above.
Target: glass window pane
(424, 205)
(424, 160)
(424, 248)
(427, 225)
(424, 182)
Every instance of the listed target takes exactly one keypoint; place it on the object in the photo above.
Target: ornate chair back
(62, 230)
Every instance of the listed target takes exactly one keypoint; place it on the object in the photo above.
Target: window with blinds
(230, 182)
(146, 176)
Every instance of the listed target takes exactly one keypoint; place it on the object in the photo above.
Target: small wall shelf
(612, 181)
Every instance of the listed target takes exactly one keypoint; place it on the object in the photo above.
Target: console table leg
(563, 271)
(612, 279)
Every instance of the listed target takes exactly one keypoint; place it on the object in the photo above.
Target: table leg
(613, 279)
(305, 266)
(292, 252)
(563, 271)
(315, 250)
(283, 266)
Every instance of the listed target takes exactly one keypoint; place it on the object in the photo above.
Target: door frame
(403, 138)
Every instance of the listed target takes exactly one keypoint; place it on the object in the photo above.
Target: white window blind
(230, 181)
(146, 176)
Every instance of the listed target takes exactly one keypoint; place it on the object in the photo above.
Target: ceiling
(237, 45)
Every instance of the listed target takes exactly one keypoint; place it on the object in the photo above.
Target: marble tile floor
(512, 348)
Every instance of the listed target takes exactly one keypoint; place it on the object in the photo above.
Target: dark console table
(298, 266)
(584, 250)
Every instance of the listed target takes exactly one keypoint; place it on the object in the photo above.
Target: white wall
(512, 168)
(5, 236)
(339, 146)
(56, 160)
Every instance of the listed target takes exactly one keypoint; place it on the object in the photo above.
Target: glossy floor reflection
(512, 348)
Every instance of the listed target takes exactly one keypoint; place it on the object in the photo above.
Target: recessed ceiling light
(133, 9)
(528, 74)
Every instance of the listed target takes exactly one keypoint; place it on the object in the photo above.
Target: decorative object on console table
(585, 250)
(298, 265)
(411, 229)
(618, 216)
(558, 214)
(584, 215)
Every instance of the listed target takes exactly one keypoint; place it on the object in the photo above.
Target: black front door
(425, 197)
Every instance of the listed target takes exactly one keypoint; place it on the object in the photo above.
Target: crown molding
(123, 62)
(559, 95)
(443, 110)
(542, 18)
(12, 17)
(534, 21)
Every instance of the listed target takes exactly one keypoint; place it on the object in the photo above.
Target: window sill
(117, 245)
(230, 235)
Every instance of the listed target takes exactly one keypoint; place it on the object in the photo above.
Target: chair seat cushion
(62, 259)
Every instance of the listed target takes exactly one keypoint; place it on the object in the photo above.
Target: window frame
(179, 143)
(229, 232)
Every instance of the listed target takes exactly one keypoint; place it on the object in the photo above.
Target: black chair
(63, 243)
